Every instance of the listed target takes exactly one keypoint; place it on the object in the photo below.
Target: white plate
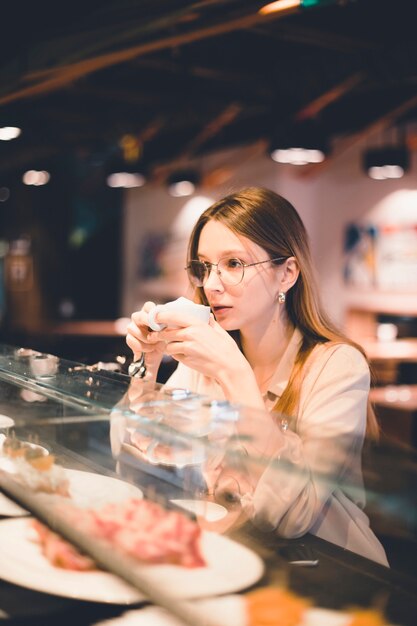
(6, 421)
(6, 462)
(86, 490)
(7, 506)
(230, 567)
(94, 490)
(227, 611)
(211, 511)
(157, 453)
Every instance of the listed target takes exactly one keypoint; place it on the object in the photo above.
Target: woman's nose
(213, 281)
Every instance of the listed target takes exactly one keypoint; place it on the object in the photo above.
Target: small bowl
(44, 365)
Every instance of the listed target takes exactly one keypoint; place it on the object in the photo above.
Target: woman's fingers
(140, 318)
(177, 319)
(138, 331)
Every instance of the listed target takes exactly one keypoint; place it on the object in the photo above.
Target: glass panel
(89, 451)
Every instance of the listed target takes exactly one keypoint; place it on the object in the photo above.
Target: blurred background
(121, 120)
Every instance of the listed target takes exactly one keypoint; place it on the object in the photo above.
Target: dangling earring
(281, 297)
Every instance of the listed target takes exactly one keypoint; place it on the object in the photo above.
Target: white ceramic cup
(199, 312)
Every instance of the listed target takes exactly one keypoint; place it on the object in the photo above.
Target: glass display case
(117, 494)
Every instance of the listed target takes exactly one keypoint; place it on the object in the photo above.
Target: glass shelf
(99, 439)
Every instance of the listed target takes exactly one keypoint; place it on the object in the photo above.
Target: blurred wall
(339, 194)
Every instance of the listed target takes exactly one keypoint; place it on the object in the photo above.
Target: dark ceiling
(186, 78)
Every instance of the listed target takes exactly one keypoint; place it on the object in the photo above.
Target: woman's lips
(220, 310)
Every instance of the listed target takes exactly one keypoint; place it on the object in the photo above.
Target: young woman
(270, 345)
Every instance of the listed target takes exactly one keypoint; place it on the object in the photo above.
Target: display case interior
(156, 490)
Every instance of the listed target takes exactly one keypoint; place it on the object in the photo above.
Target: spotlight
(182, 183)
(7, 133)
(123, 174)
(299, 145)
(128, 180)
(387, 162)
(36, 177)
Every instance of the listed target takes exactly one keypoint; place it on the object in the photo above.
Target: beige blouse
(313, 481)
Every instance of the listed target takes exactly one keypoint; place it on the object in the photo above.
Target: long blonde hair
(270, 221)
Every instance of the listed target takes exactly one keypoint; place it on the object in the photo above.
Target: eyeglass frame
(209, 266)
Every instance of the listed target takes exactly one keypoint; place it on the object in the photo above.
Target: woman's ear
(290, 274)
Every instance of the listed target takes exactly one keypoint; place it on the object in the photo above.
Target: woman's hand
(210, 350)
(204, 347)
(139, 339)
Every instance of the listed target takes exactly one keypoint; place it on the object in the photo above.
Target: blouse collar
(282, 374)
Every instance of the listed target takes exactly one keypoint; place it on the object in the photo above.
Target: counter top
(401, 397)
(340, 580)
(404, 350)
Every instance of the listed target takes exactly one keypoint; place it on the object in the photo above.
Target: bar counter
(71, 410)
(339, 581)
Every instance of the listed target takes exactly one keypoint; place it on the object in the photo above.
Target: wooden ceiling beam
(152, 129)
(226, 117)
(221, 75)
(81, 45)
(333, 94)
(68, 74)
(210, 130)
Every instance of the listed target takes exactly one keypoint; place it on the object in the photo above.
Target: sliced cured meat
(140, 528)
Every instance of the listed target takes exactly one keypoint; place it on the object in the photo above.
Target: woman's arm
(294, 489)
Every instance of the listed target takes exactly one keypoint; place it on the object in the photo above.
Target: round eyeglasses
(230, 270)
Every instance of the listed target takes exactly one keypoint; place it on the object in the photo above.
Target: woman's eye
(234, 264)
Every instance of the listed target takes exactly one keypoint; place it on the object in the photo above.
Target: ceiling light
(36, 177)
(299, 145)
(127, 180)
(127, 174)
(387, 162)
(279, 6)
(9, 132)
(182, 183)
(297, 156)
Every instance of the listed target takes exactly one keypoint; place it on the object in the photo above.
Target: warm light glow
(279, 5)
(385, 171)
(36, 177)
(188, 215)
(297, 156)
(386, 332)
(121, 324)
(395, 394)
(181, 188)
(9, 132)
(131, 147)
(126, 180)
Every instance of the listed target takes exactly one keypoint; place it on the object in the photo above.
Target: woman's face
(252, 303)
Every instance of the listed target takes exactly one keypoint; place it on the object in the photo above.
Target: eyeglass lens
(230, 271)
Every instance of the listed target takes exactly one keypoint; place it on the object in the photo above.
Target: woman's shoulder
(337, 355)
